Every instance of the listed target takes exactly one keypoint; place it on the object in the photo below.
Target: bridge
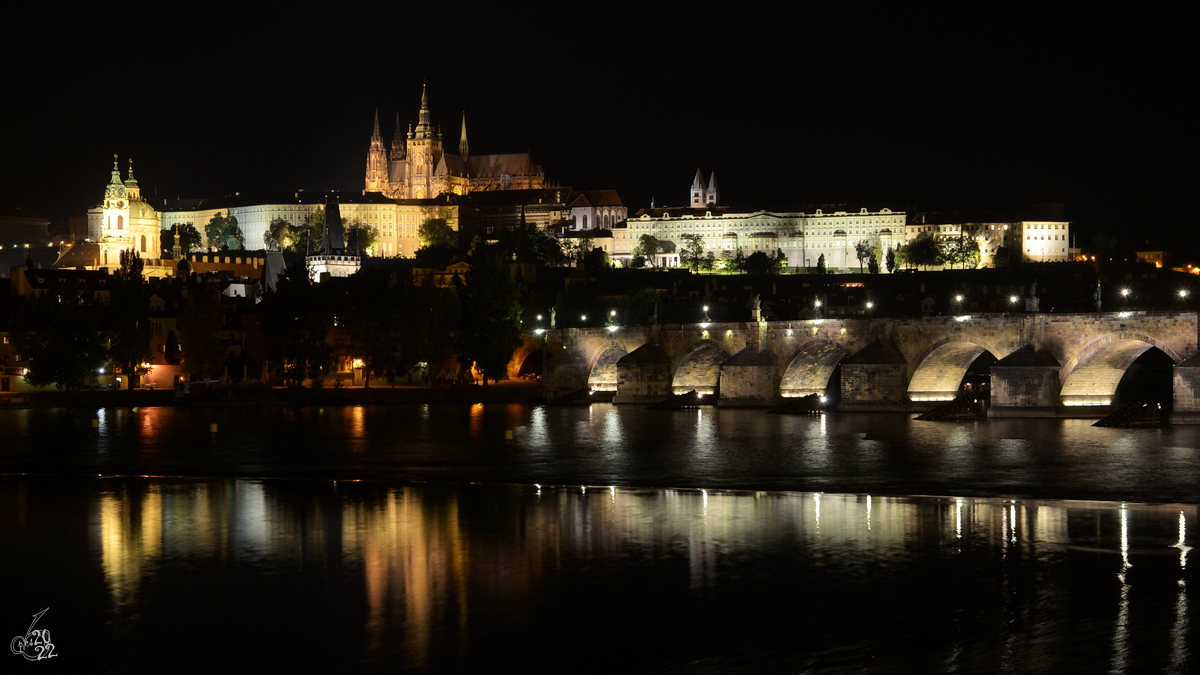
(1040, 365)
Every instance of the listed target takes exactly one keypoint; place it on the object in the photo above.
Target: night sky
(792, 108)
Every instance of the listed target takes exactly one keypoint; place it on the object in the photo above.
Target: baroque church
(418, 166)
(122, 221)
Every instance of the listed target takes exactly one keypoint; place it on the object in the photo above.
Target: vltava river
(878, 453)
(597, 540)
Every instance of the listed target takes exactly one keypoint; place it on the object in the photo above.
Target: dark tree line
(392, 325)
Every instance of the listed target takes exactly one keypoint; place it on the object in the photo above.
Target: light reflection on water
(446, 577)
(881, 453)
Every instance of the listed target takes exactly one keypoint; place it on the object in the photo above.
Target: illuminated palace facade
(395, 221)
(802, 235)
(419, 167)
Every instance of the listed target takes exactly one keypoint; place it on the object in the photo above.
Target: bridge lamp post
(958, 300)
(583, 320)
(817, 308)
(870, 306)
(1125, 298)
(706, 319)
(1012, 302)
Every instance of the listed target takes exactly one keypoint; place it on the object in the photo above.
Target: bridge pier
(566, 371)
(875, 379)
(748, 378)
(643, 375)
(1186, 391)
(1025, 384)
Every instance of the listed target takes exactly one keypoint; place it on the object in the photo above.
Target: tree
(862, 251)
(546, 249)
(278, 235)
(922, 251)
(189, 239)
(891, 260)
(873, 264)
(307, 238)
(437, 232)
(129, 318)
(821, 269)
(200, 322)
(1105, 244)
(648, 247)
(1003, 257)
(223, 233)
(596, 259)
(361, 237)
(692, 255)
(759, 263)
(59, 334)
(733, 261)
(490, 323)
(709, 262)
(431, 317)
(370, 311)
(296, 318)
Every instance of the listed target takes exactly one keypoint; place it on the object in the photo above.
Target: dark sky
(788, 108)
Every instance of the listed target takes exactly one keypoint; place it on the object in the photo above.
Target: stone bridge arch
(810, 368)
(1092, 376)
(603, 374)
(699, 369)
(938, 371)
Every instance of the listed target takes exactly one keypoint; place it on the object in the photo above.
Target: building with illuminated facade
(122, 221)
(803, 234)
(395, 221)
(420, 167)
(1041, 236)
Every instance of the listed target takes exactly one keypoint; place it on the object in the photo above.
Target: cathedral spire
(424, 130)
(398, 140)
(462, 139)
(698, 190)
(375, 136)
(712, 195)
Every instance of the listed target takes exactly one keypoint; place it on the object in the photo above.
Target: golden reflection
(149, 421)
(414, 562)
(1183, 547)
(477, 421)
(358, 421)
(130, 541)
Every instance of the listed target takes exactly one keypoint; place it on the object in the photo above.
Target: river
(419, 539)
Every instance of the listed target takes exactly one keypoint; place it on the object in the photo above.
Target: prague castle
(419, 167)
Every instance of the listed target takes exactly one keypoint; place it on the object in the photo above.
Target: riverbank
(516, 391)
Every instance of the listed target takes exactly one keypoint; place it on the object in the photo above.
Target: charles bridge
(1040, 364)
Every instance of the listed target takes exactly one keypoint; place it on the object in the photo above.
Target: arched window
(143, 243)
(120, 222)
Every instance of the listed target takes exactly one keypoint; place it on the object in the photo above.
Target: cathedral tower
(712, 195)
(377, 162)
(698, 191)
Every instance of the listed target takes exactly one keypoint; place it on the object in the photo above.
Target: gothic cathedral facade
(420, 168)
